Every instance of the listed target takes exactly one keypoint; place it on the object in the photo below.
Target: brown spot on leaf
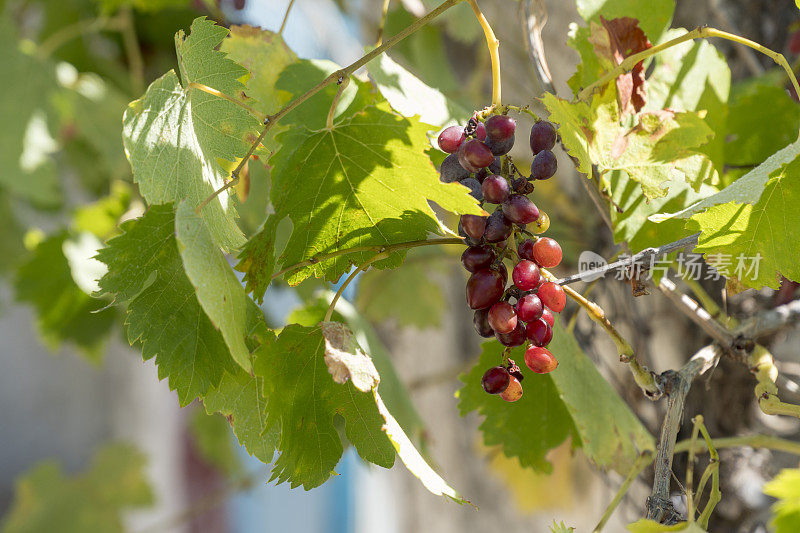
(626, 38)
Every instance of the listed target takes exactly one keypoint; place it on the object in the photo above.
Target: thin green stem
(358, 249)
(83, 27)
(286, 17)
(523, 109)
(382, 22)
(494, 51)
(715, 495)
(336, 98)
(332, 78)
(753, 441)
(699, 33)
(641, 375)
(350, 278)
(698, 421)
(210, 90)
(132, 50)
(641, 463)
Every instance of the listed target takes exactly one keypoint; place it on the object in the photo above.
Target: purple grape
(543, 136)
(520, 210)
(498, 227)
(473, 225)
(477, 258)
(529, 308)
(544, 165)
(451, 170)
(539, 332)
(474, 155)
(525, 249)
(451, 138)
(500, 147)
(495, 380)
(484, 288)
(515, 338)
(495, 189)
(474, 187)
(500, 127)
(526, 275)
(481, 322)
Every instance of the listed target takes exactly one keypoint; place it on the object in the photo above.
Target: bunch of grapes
(522, 311)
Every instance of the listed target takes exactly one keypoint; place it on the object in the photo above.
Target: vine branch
(270, 120)
(286, 17)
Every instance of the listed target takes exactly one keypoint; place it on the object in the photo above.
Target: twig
(640, 258)
(753, 441)
(493, 44)
(532, 24)
(332, 78)
(697, 314)
(641, 463)
(677, 385)
(286, 17)
(357, 249)
(350, 278)
(699, 33)
(713, 470)
(212, 91)
(132, 50)
(641, 375)
(343, 83)
(382, 22)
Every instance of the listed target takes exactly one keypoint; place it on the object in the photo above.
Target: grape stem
(382, 23)
(357, 249)
(494, 51)
(643, 377)
(350, 278)
(698, 33)
(343, 83)
(334, 77)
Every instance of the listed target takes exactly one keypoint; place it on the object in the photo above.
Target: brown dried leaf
(625, 38)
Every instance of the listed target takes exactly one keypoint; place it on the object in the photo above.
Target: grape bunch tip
(478, 160)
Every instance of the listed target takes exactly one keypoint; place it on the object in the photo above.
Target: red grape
(543, 136)
(553, 296)
(473, 225)
(451, 138)
(501, 267)
(502, 317)
(547, 252)
(544, 165)
(474, 155)
(500, 127)
(520, 210)
(477, 258)
(495, 189)
(495, 380)
(540, 360)
(480, 131)
(548, 316)
(539, 332)
(525, 249)
(481, 322)
(498, 227)
(526, 275)
(484, 288)
(529, 308)
(513, 392)
(515, 338)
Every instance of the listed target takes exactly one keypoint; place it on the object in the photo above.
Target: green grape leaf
(64, 312)
(409, 294)
(694, 76)
(26, 144)
(297, 78)
(526, 429)
(303, 400)
(654, 17)
(633, 224)
(611, 435)
(164, 316)
(240, 398)
(364, 183)
(100, 218)
(218, 290)
(592, 65)
(786, 511)
(561, 528)
(94, 500)
(651, 526)
(175, 136)
(662, 146)
(212, 439)
(753, 242)
(257, 259)
(265, 55)
(761, 120)
(410, 96)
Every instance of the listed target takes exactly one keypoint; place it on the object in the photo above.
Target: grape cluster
(478, 159)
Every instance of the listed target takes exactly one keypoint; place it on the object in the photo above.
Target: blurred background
(64, 397)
